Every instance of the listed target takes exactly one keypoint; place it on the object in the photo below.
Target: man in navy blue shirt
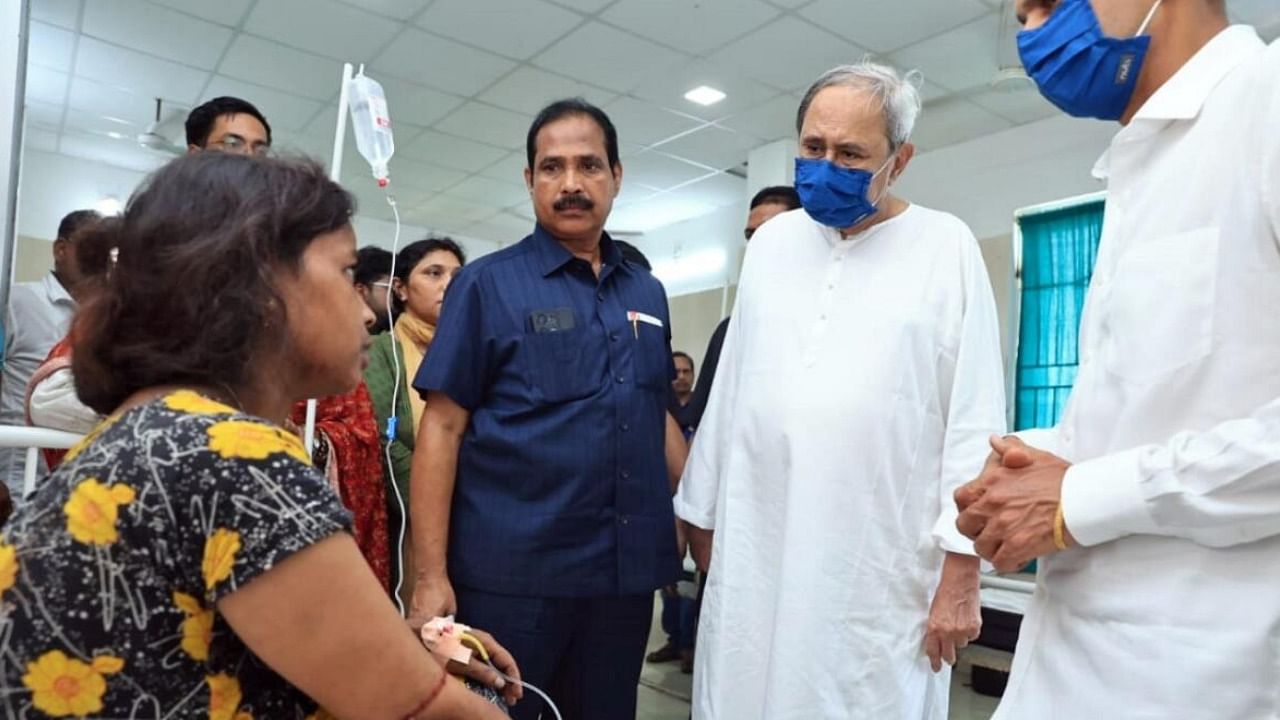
(540, 501)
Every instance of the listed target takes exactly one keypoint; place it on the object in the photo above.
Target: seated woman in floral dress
(186, 560)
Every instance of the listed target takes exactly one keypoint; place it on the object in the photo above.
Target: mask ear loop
(892, 156)
(1150, 16)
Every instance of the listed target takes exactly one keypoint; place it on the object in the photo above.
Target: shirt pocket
(1162, 306)
(651, 361)
(560, 367)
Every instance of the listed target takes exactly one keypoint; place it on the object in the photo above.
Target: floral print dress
(110, 574)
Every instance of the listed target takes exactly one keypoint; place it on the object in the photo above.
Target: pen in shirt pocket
(636, 317)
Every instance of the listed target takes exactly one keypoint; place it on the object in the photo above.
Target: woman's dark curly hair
(191, 298)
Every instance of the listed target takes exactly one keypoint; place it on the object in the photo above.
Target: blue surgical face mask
(836, 196)
(1079, 68)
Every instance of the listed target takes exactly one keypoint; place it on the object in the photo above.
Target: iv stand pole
(335, 174)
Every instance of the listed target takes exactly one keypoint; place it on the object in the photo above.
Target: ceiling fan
(154, 137)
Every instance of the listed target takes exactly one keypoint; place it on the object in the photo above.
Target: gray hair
(899, 95)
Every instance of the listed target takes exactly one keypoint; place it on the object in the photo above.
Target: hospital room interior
(869, 258)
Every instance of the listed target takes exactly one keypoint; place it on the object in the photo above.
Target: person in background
(228, 124)
(373, 280)
(423, 272)
(541, 500)
(38, 316)
(1154, 504)
(186, 556)
(765, 204)
(682, 393)
(855, 394)
(51, 400)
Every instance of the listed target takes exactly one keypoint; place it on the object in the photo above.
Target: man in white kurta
(860, 379)
(1166, 462)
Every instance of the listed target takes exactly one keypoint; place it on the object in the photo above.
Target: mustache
(574, 202)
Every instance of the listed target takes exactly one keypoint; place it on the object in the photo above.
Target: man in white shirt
(38, 316)
(859, 380)
(1155, 502)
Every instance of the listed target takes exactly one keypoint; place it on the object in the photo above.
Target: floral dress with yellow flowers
(110, 575)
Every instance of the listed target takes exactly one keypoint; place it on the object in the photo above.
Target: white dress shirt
(859, 382)
(1169, 608)
(38, 316)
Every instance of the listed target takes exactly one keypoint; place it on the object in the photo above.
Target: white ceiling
(464, 77)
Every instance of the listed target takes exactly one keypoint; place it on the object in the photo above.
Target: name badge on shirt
(550, 321)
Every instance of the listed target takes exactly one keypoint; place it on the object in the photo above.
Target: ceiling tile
(641, 123)
(157, 31)
(790, 4)
(740, 91)
(422, 176)
(510, 168)
(809, 52)
(486, 191)
(659, 171)
(658, 212)
(959, 59)
(223, 12)
(324, 27)
(120, 153)
(955, 121)
(884, 27)
(450, 211)
(713, 146)
(434, 61)
(585, 6)
(416, 105)
(1020, 106)
(121, 103)
(605, 56)
(398, 9)
(504, 227)
(263, 62)
(285, 112)
(632, 193)
(43, 114)
(529, 89)
(696, 28)
(79, 120)
(63, 13)
(143, 74)
(452, 152)
(34, 138)
(717, 190)
(47, 86)
(773, 120)
(487, 124)
(50, 47)
(518, 30)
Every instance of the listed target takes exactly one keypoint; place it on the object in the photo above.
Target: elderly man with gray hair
(861, 378)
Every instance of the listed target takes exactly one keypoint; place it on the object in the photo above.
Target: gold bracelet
(1059, 529)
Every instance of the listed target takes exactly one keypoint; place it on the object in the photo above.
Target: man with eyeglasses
(228, 124)
(373, 280)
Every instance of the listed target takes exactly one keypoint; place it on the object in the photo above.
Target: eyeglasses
(381, 283)
(240, 146)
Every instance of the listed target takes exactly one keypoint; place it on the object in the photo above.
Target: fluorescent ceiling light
(704, 95)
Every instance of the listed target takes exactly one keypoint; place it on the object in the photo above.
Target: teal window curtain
(1058, 251)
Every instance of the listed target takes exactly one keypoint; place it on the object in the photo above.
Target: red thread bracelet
(435, 692)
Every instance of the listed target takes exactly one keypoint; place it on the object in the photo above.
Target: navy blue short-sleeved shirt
(561, 484)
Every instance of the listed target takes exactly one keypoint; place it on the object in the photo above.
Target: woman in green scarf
(422, 273)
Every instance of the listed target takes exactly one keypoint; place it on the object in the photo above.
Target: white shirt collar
(1184, 94)
(54, 290)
